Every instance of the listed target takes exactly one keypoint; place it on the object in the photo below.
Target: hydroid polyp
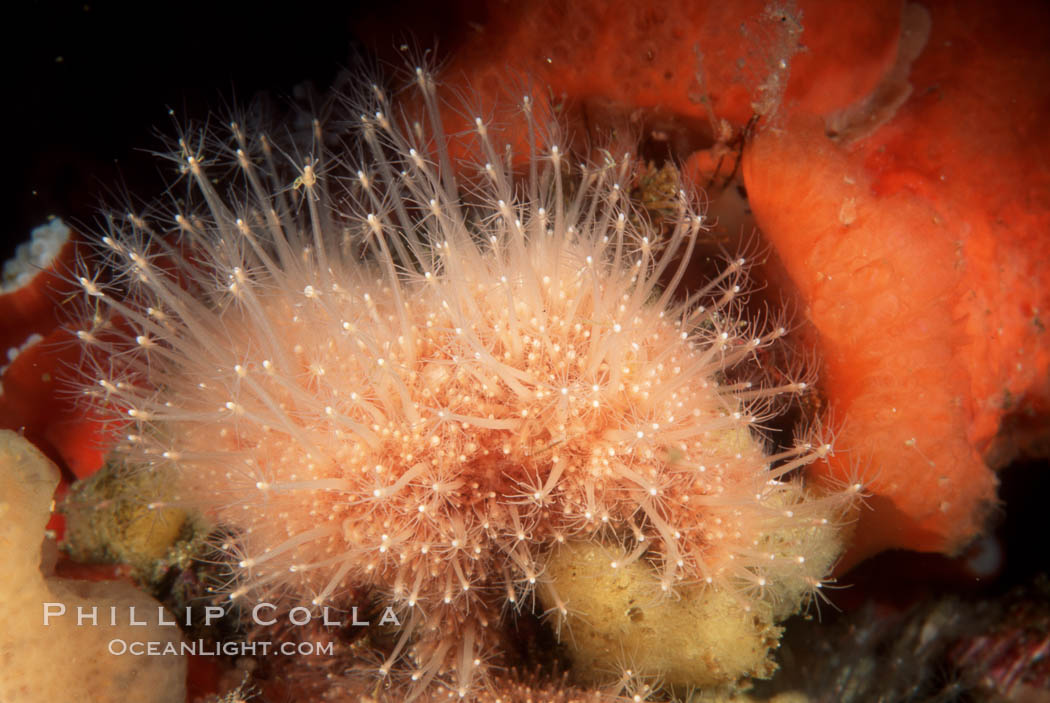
(379, 369)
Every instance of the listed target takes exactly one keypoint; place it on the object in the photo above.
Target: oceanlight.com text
(204, 648)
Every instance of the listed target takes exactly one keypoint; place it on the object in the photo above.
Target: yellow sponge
(63, 660)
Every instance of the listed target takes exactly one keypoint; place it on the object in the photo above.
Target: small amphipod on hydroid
(380, 370)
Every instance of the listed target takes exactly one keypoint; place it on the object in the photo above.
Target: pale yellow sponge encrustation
(611, 613)
(64, 661)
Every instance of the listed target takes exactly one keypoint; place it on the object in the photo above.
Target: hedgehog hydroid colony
(376, 377)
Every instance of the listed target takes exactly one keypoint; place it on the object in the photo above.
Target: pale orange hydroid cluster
(386, 381)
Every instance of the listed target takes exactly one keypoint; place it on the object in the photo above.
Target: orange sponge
(919, 253)
(879, 276)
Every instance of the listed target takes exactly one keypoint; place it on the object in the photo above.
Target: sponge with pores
(64, 661)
